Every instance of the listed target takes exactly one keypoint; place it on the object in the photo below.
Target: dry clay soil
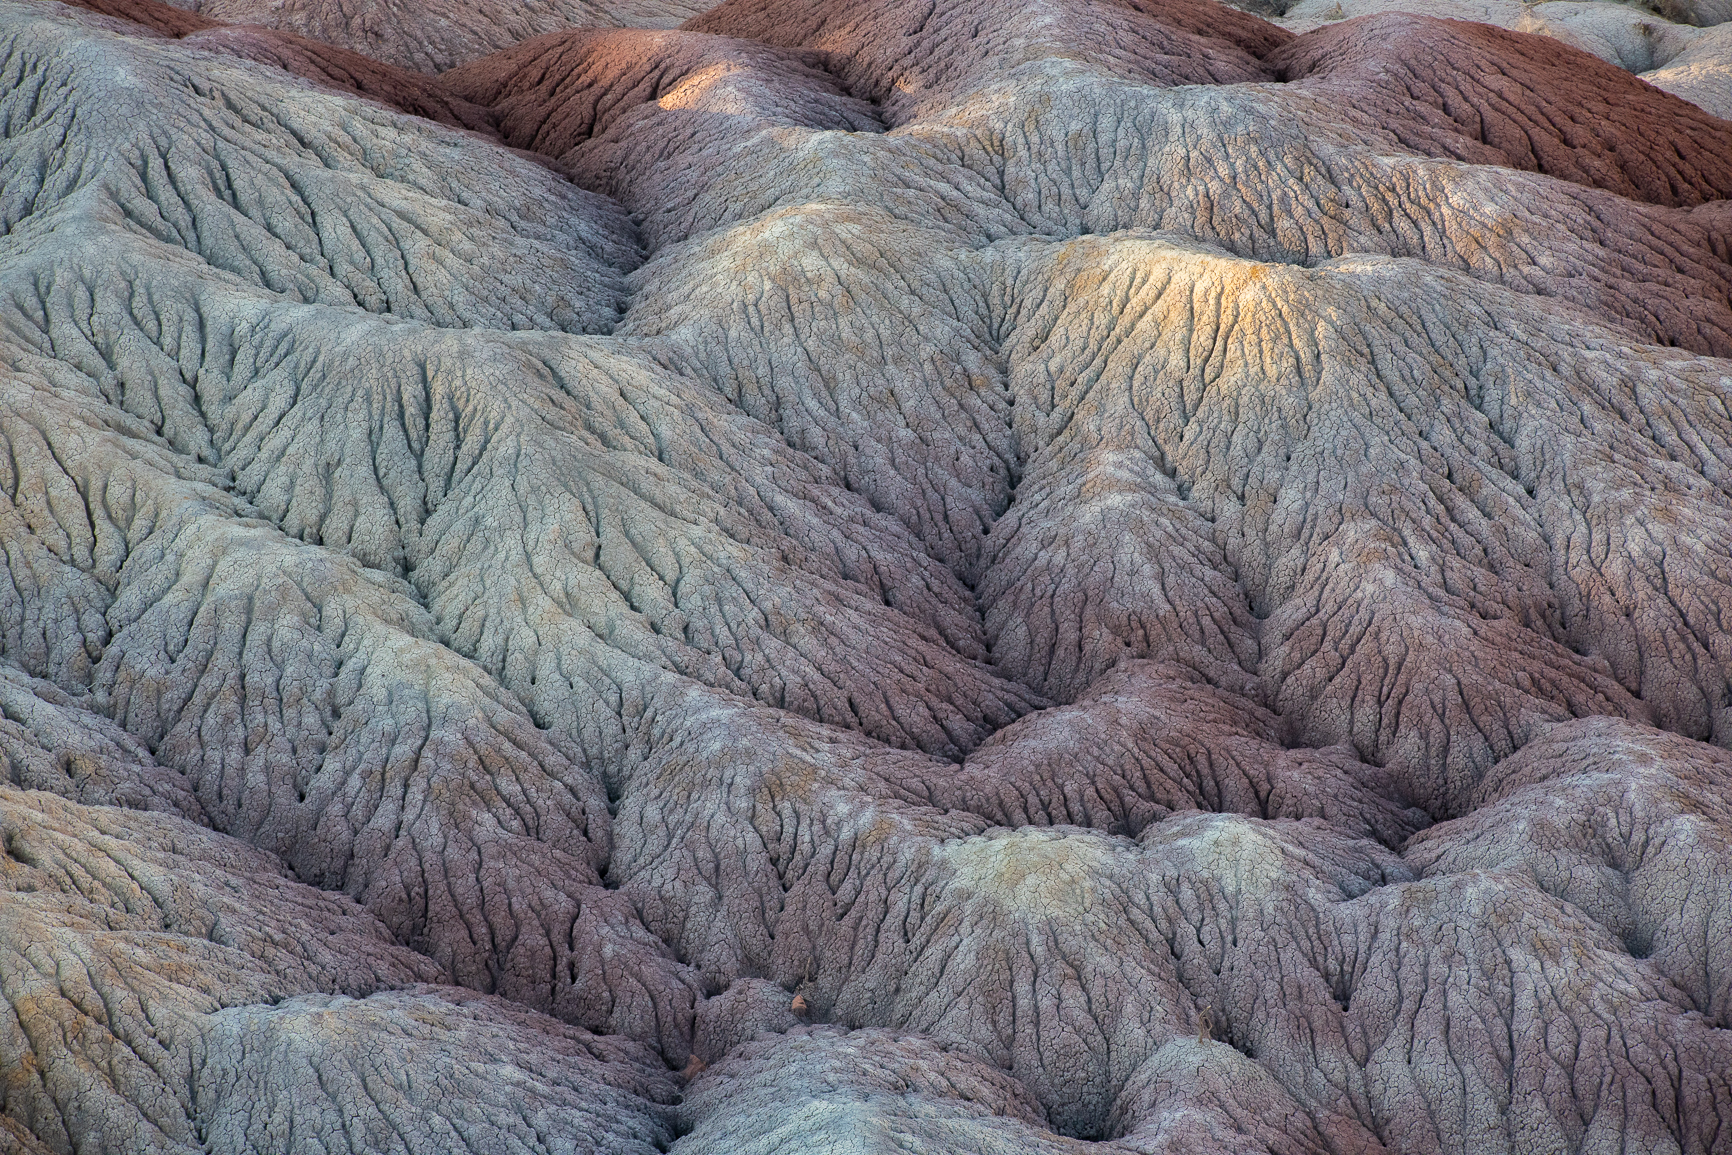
(1007, 577)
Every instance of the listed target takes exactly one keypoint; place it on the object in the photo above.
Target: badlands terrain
(1008, 577)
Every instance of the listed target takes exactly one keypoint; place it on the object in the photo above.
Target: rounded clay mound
(1046, 576)
(1481, 94)
(433, 35)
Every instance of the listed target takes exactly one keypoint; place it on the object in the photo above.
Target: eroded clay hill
(1017, 576)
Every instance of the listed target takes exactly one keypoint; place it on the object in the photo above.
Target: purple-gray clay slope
(1025, 577)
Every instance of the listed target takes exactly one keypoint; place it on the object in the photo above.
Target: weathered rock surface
(323, 64)
(1700, 72)
(1304, 15)
(961, 577)
(1691, 58)
(433, 36)
(1475, 93)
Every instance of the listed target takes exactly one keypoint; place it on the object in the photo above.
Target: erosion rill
(859, 576)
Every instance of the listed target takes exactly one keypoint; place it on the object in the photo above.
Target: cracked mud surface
(1017, 577)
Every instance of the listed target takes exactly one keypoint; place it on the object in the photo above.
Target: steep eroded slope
(1039, 577)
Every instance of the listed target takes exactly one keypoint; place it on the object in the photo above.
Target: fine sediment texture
(1018, 577)
(434, 35)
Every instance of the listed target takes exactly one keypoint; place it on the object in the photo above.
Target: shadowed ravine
(939, 576)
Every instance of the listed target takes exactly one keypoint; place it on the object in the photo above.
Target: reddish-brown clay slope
(654, 119)
(1482, 94)
(912, 56)
(163, 19)
(323, 64)
(554, 92)
(340, 68)
(1116, 612)
(432, 36)
(1214, 21)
